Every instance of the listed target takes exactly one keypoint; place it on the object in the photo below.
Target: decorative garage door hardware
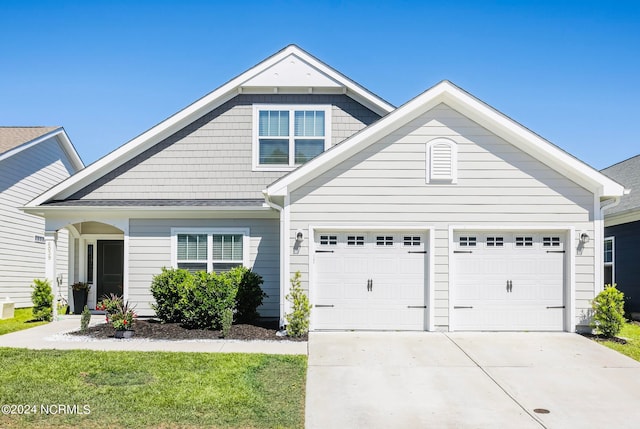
(369, 285)
(556, 306)
(416, 306)
(463, 251)
(555, 251)
(417, 251)
(509, 286)
(462, 306)
(324, 305)
(324, 251)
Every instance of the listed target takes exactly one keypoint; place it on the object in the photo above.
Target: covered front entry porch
(96, 256)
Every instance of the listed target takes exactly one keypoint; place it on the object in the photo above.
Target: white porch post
(51, 245)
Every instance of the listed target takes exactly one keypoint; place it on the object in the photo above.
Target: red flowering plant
(119, 313)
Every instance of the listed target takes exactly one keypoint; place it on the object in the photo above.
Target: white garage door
(369, 280)
(508, 281)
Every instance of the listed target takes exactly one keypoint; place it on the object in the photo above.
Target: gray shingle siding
(211, 157)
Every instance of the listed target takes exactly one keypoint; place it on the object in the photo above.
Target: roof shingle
(12, 137)
(628, 174)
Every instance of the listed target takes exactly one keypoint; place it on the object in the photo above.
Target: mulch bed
(601, 338)
(155, 330)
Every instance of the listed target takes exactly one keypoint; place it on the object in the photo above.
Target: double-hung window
(209, 249)
(609, 261)
(287, 136)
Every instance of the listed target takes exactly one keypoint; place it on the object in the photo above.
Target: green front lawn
(22, 320)
(631, 333)
(152, 389)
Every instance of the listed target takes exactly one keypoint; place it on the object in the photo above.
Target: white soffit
(292, 71)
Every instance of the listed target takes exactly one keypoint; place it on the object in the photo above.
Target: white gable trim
(63, 141)
(206, 104)
(461, 101)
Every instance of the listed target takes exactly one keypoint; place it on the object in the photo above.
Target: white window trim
(453, 179)
(256, 166)
(246, 241)
(611, 264)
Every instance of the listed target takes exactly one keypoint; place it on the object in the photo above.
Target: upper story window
(442, 160)
(288, 136)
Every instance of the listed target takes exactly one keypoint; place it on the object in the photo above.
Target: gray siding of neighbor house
(211, 158)
(23, 177)
(498, 185)
(627, 262)
(150, 250)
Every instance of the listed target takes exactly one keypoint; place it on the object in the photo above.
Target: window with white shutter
(442, 157)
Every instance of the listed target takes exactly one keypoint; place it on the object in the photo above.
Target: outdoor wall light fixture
(299, 235)
(584, 237)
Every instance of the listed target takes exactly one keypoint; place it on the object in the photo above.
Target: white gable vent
(442, 157)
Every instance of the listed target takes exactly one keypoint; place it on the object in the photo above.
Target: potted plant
(80, 294)
(120, 314)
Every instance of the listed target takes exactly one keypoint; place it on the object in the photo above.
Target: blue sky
(108, 71)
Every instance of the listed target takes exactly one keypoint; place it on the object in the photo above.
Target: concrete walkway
(53, 336)
(468, 380)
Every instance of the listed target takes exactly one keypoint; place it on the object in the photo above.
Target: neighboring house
(32, 160)
(622, 233)
(442, 214)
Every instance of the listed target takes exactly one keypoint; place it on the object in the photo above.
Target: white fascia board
(469, 106)
(627, 216)
(191, 113)
(359, 141)
(530, 142)
(63, 140)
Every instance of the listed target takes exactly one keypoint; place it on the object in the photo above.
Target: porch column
(51, 245)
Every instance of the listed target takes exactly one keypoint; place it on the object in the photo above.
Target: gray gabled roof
(628, 174)
(12, 137)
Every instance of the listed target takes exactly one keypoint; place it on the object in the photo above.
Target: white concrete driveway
(468, 380)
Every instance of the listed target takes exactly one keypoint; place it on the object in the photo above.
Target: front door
(110, 267)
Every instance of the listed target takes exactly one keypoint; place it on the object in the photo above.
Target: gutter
(283, 247)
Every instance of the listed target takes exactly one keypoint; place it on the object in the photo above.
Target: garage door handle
(369, 285)
(416, 306)
(462, 251)
(555, 251)
(324, 251)
(462, 306)
(324, 305)
(417, 251)
(557, 306)
(509, 286)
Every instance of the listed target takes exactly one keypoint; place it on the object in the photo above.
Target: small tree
(85, 319)
(298, 320)
(608, 311)
(42, 300)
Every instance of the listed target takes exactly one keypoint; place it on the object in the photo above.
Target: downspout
(599, 240)
(283, 248)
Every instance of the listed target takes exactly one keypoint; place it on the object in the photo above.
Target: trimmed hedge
(207, 300)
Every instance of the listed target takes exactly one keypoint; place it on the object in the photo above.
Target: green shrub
(249, 296)
(42, 300)
(207, 300)
(608, 311)
(85, 319)
(202, 298)
(298, 319)
(168, 289)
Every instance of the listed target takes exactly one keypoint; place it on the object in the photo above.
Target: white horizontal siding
(23, 177)
(498, 185)
(211, 158)
(150, 250)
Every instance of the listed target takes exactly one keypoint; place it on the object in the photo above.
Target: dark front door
(110, 267)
